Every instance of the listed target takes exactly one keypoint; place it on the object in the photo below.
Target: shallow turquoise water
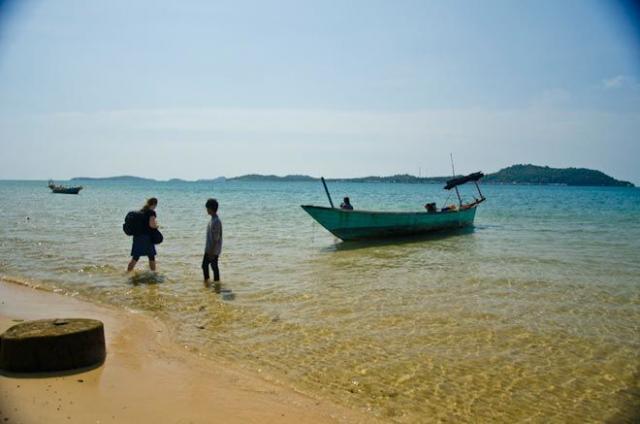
(533, 314)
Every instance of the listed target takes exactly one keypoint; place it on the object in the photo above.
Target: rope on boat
(445, 201)
(449, 196)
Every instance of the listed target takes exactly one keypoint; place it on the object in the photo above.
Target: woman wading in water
(142, 243)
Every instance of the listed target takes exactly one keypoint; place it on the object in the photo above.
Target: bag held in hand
(156, 236)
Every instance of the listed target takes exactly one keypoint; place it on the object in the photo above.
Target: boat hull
(67, 190)
(361, 225)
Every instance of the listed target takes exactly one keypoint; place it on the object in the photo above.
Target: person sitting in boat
(470, 204)
(431, 207)
(346, 204)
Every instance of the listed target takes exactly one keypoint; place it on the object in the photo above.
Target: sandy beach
(146, 377)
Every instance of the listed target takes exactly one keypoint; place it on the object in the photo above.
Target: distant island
(258, 177)
(132, 179)
(120, 178)
(515, 174)
(532, 174)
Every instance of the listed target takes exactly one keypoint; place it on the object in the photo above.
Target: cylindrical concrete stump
(52, 345)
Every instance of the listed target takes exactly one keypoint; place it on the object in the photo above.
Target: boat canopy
(462, 180)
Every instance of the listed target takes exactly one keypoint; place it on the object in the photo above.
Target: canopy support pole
(479, 192)
(326, 190)
(459, 198)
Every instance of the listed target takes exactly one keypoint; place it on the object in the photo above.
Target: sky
(201, 89)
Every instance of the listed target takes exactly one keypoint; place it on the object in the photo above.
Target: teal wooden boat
(359, 225)
(62, 189)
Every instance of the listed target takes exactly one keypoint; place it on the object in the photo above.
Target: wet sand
(146, 377)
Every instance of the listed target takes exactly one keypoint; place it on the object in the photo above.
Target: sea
(531, 315)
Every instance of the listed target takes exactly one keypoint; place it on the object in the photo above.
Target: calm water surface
(532, 315)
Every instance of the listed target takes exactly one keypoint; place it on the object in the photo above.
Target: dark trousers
(213, 261)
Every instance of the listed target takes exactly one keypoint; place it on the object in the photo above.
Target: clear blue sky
(200, 89)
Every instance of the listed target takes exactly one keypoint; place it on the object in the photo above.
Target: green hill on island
(515, 174)
(532, 174)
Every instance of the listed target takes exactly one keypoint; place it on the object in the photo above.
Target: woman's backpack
(134, 223)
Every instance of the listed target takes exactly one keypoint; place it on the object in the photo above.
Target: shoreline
(146, 377)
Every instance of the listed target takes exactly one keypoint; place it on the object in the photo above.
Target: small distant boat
(62, 189)
(350, 225)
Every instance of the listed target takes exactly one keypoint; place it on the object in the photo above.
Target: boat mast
(326, 190)
(453, 172)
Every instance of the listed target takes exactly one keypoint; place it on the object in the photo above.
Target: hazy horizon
(102, 177)
(165, 90)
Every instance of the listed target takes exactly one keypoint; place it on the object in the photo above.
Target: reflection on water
(417, 238)
(531, 315)
(146, 277)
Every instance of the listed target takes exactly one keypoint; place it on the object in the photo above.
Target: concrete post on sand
(52, 345)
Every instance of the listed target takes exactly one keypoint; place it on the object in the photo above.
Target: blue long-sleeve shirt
(214, 237)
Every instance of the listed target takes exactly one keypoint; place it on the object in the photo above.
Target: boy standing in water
(213, 246)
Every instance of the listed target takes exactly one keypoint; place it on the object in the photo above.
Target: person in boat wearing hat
(346, 204)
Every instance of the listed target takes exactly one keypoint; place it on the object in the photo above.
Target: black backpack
(134, 223)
